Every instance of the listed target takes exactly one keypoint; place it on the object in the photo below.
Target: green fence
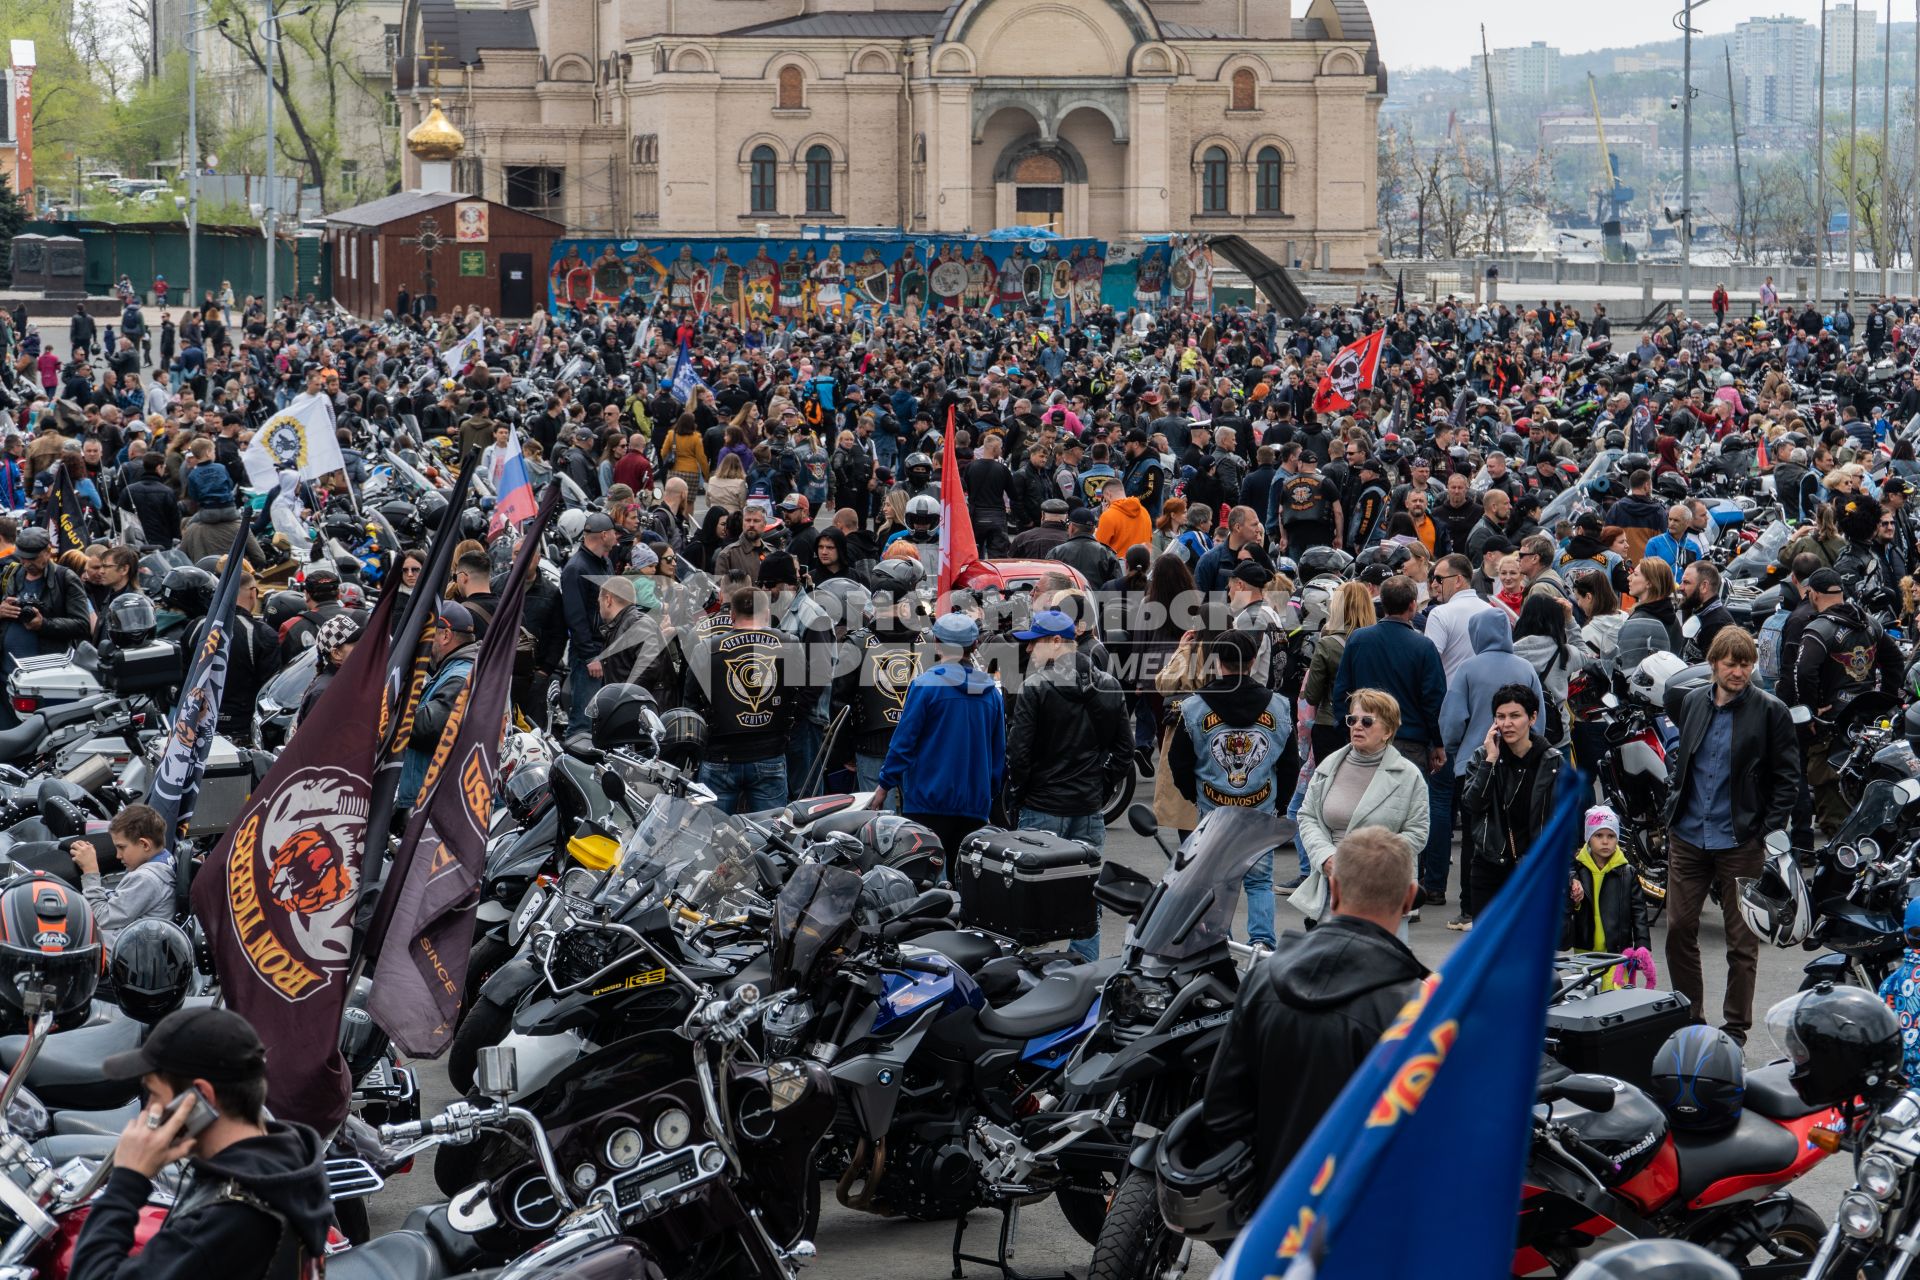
(142, 250)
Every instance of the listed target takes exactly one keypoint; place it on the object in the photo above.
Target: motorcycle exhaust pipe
(864, 1174)
(90, 775)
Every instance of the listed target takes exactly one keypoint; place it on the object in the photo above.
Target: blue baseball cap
(957, 630)
(1048, 624)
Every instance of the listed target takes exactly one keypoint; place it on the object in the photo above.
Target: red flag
(958, 553)
(1760, 452)
(1350, 372)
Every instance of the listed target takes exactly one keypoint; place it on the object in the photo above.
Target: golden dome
(435, 138)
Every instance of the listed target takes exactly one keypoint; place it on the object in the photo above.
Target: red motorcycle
(1607, 1164)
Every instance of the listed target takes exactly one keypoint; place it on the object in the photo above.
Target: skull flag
(1348, 374)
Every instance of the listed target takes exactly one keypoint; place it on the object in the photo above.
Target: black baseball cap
(1826, 582)
(598, 522)
(216, 1045)
(1254, 575)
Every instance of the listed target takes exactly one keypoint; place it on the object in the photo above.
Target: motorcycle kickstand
(1003, 1261)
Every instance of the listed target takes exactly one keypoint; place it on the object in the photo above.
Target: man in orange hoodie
(1123, 523)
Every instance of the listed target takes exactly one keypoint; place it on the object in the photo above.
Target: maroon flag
(434, 886)
(277, 895)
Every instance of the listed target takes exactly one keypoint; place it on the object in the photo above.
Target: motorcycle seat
(1771, 1093)
(1755, 1145)
(965, 948)
(1060, 998)
(106, 1123)
(74, 1057)
(60, 1148)
(23, 738)
(398, 1255)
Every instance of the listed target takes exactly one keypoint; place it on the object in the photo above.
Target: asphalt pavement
(856, 1246)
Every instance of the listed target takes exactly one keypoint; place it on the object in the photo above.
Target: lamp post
(193, 151)
(1684, 21)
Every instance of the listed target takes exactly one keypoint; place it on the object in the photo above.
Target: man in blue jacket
(948, 756)
(1391, 656)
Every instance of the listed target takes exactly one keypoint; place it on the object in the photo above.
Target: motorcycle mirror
(1691, 627)
(498, 1072)
(1909, 789)
(1609, 701)
(471, 1211)
(1141, 819)
(1800, 715)
(769, 870)
(1595, 1093)
(614, 786)
(1779, 842)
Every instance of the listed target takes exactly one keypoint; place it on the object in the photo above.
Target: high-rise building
(1774, 65)
(1843, 20)
(1530, 71)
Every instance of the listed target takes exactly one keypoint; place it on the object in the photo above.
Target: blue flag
(685, 377)
(1443, 1101)
(196, 717)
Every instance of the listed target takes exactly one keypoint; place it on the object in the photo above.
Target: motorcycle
(1872, 1232)
(1860, 886)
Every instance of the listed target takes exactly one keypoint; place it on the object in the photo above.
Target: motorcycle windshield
(1194, 909)
(1879, 806)
(811, 917)
(1762, 552)
(675, 846)
(1578, 497)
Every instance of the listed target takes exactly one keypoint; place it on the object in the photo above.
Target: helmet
(573, 523)
(153, 569)
(283, 607)
(131, 621)
(1203, 1180)
(404, 517)
(1620, 1141)
(845, 601)
(151, 969)
(1318, 562)
(1699, 1078)
(1775, 904)
(362, 1042)
(353, 597)
(1843, 1042)
(621, 715)
(527, 792)
(683, 738)
(1726, 380)
(473, 524)
(883, 888)
(210, 563)
(432, 508)
(1649, 680)
(1671, 484)
(187, 591)
(919, 466)
(1655, 1259)
(351, 570)
(1285, 565)
(48, 944)
(894, 580)
(923, 513)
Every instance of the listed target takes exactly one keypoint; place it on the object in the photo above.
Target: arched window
(1242, 99)
(819, 180)
(1213, 181)
(789, 97)
(1266, 181)
(760, 180)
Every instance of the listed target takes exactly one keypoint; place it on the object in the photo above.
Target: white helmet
(1726, 379)
(1775, 905)
(1649, 679)
(573, 523)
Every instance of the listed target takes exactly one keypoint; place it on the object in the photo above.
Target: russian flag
(514, 504)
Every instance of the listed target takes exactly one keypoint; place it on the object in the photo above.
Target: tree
(13, 216)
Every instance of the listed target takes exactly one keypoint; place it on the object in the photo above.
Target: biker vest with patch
(1303, 499)
(1234, 764)
(750, 710)
(887, 667)
(1851, 649)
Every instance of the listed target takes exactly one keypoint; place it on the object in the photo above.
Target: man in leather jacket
(43, 604)
(1069, 741)
(883, 660)
(1095, 560)
(1842, 654)
(1308, 1015)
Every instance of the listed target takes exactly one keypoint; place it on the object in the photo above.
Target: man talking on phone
(256, 1189)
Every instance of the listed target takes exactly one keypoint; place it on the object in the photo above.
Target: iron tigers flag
(1348, 374)
(66, 512)
(435, 881)
(196, 716)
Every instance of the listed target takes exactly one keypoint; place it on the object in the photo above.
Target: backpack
(1553, 712)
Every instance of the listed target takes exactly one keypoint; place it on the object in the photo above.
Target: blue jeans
(746, 787)
(804, 741)
(582, 688)
(866, 773)
(1091, 828)
(1436, 860)
(1259, 887)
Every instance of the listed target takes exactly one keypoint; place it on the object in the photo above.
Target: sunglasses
(1357, 721)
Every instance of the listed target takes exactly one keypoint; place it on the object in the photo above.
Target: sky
(1426, 33)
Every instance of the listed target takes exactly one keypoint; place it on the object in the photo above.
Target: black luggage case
(1616, 1033)
(1030, 886)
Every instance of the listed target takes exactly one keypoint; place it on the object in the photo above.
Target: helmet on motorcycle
(151, 969)
(212, 564)
(1843, 1042)
(187, 591)
(351, 570)
(1317, 562)
(883, 890)
(683, 738)
(527, 792)
(573, 523)
(1286, 566)
(362, 1042)
(923, 513)
(906, 846)
(896, 580)
(1655, 1259)
(1775, 904)
(403, 517)
(473, 524)
(1699, 1079)
(1648, 683)
(131, 621)
(283, 607)
(48, 945)
(1511, 443)
(621, 715)
(1203, 1179)
(353, 596)
(1671, 485)
(432, 509)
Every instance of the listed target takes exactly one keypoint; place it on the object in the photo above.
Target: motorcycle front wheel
(1134, 1243)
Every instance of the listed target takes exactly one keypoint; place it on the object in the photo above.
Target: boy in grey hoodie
(146, 891)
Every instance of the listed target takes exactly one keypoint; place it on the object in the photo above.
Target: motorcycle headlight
(1879, 1177)
(1859, 1215)
(787, 1019)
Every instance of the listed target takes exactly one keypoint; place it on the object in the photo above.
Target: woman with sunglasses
(1366, 783)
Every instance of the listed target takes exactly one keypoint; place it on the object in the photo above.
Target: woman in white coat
(1366, 783)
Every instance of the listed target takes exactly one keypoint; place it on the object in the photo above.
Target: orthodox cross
(434, 51)
(427, 241)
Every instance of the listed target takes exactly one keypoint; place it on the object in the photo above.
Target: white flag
(468, 348)
(298, 438)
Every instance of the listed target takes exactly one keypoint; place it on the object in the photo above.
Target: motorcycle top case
(1030, 886)
(1616, 1033)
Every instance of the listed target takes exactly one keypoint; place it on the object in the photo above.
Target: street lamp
(1684, 22)
(193, 151)
(271, 28)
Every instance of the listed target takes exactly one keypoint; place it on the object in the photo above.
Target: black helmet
(48, 943)
(1655, 1259)
(152, 968)
(351, 570)
(1843, 1042)
(1699, 1079)
(683, 738)
(527, 792)
(1204, 1180)
(621, 715)
(283, 607)
(131, 621)
(1319, 562)
(920, 465)
(894, 580)
(923, 513)
(154, 567)
(432, 508)
(1510, 443)
(404, 517)
(1671, 484)
(883, 889)
(210, 563)
(187, 591)
(473, 524)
